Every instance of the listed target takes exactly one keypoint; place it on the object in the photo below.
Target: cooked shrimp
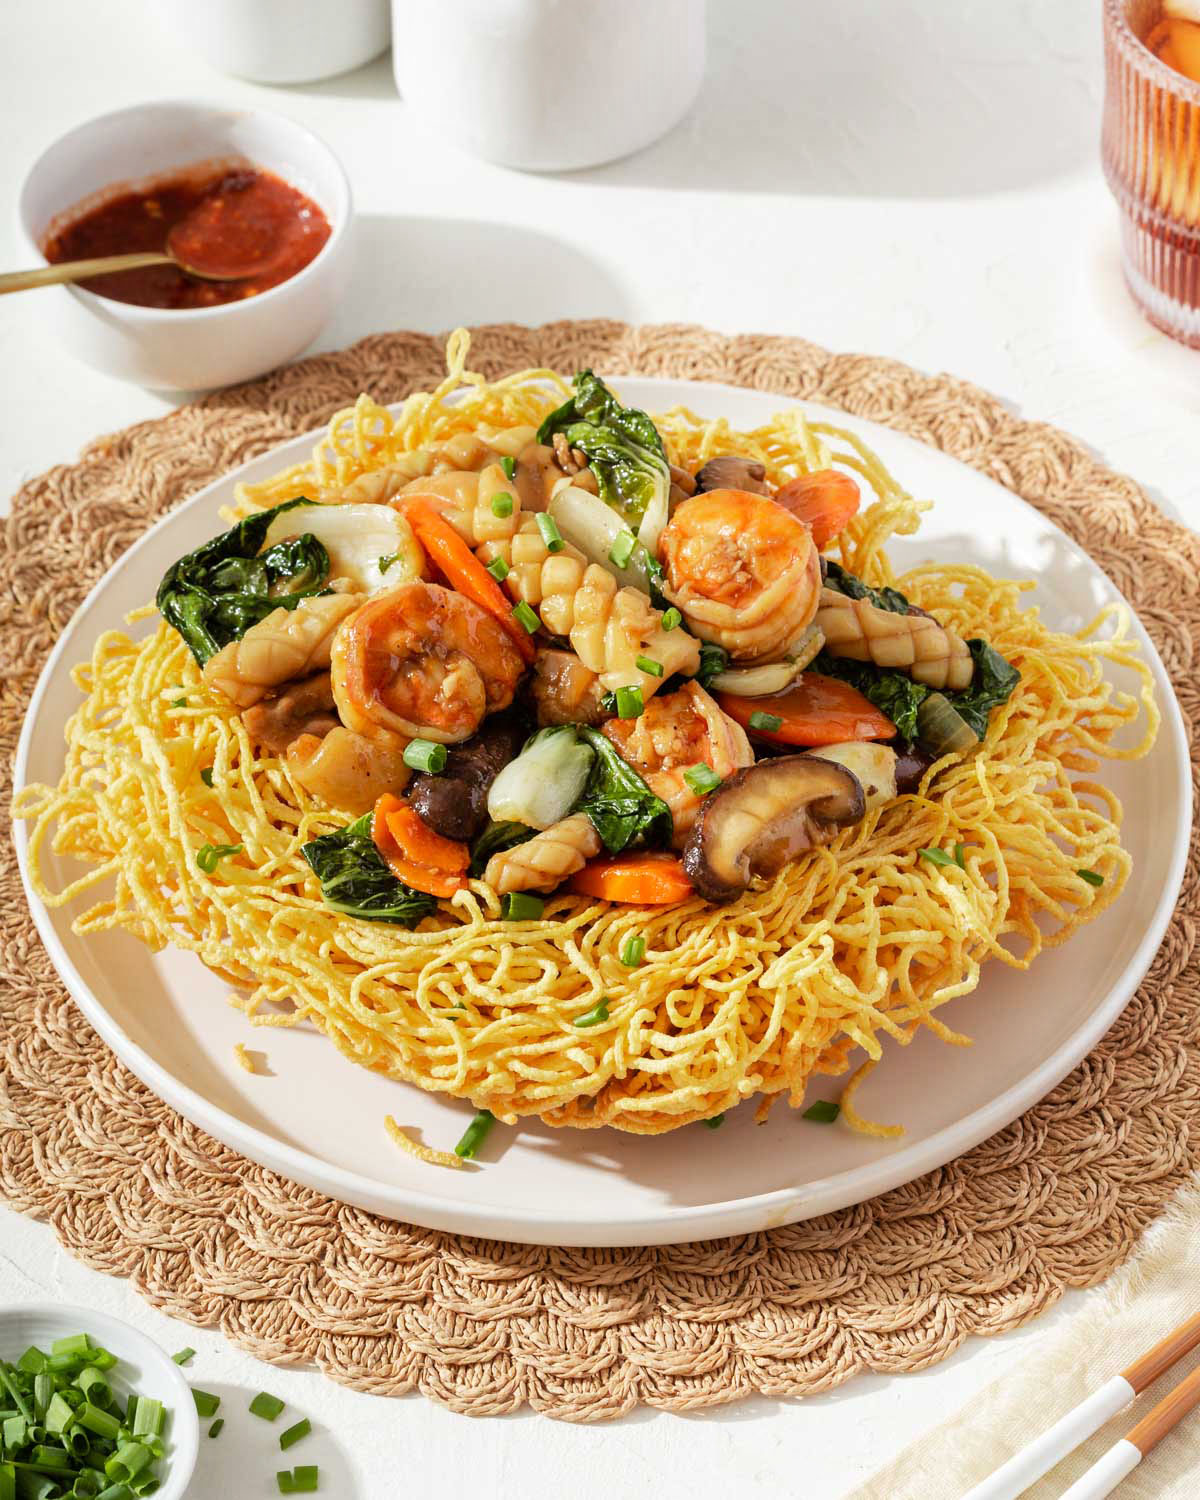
(674, 734)
(565, 691)
(423, 661)
(743, 570)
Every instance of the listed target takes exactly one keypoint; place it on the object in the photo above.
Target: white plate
(319, 1119)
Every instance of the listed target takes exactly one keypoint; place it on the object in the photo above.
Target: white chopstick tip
(1106, 1473)
(1040, 1456)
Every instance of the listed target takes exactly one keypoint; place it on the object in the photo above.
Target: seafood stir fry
(550, 658)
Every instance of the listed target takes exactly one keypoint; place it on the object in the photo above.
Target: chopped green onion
(960, 851)
(472, 1138)
(527, 617)
(770, 723)
(714, 1123)
(509, 465)
(206, 1403)
(115, 1492)
(502, 504)
(76, 1343)
(551, 535)
(622, 549)
(206, 775)
(128, 1460)
(293, 1434)
(671, 618)
(182, 1356)
(215, 1429)
(522, 906)
(94, 1386)
(304, 1478)
(283, 1478)
(702, 779)
(43, 1393)
(210, 855)
(59, 1415)
(823, 1111)
(1091, 877)
(44, 1457)
(102, 1423)
(13, 1432)
(144, 1484)
(633, 952)
(179, 703)
(386, 561)
(149, 1419)
(267, 1406)
(10, 1386)
(935, 856)
(102, 1359)
(33, 1361)
(648, 665)
(498, 568)
(425, 755)
(597, 1014)
(629, 703)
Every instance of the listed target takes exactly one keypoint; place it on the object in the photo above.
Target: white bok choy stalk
(545, 781)
(601, 534)
(774, 676)
(371, 545)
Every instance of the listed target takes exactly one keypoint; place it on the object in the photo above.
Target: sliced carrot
(462, 570)
(416, 854)
(824, 501)
(640, 879)
(815, 710)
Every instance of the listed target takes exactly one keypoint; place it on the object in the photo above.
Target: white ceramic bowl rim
(339, 221)
(127, 1343)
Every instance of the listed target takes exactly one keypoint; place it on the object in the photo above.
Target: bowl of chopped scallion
(90, 1409)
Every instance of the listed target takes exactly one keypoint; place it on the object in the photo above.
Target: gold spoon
(103, 265)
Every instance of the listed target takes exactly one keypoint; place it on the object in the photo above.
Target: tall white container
(549, 85)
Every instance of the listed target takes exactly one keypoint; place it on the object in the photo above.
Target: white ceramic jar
(281, 41)
(549, 85)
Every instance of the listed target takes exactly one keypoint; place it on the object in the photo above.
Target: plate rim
(665, 1223)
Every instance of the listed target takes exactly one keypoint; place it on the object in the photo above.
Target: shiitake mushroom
(454, 803)
(729, 472)
(766, 815)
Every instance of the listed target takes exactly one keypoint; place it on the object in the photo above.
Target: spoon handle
(79, 270)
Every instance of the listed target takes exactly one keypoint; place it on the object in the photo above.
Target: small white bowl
(282, 41)
(142, 1367)
(195, 348)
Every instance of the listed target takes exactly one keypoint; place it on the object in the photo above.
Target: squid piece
(547, 859)
(743, 571)
(913, 643)
(287, 644)
(304, 707)
(565, 691)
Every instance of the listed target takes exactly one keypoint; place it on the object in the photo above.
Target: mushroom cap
(730, 472)
(766, 815)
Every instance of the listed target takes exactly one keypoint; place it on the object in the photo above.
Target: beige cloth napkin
(1157, 1290)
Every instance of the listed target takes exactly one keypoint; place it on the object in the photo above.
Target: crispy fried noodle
(861, 936)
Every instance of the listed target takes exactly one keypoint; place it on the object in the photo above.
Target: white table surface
(915, 180)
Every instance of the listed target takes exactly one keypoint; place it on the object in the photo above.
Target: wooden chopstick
(1124, 1456)
(1040, 1456)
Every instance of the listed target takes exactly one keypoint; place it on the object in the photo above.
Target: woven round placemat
(1056, 1200)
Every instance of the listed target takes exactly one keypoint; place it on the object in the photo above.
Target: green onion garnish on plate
(267, 1406)
(425, 755)
(595, 1016)
(823, 1111)
(475, 1134)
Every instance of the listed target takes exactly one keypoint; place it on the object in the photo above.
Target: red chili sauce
(244, 223)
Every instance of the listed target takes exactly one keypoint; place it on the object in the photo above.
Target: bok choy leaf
(623, 450)
(621, 806)
(214, 594)
(355, 879)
